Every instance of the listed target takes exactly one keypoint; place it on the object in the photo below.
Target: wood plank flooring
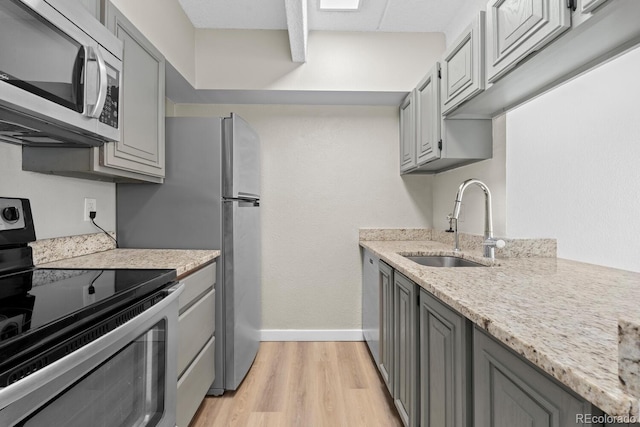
(306, 384)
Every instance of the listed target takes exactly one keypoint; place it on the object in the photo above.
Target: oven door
(125, 378)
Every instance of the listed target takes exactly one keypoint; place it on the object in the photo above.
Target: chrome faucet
(490, 243)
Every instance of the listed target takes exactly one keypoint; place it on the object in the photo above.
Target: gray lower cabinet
(140, 153)
(509, 392)
(371, 303)
(196, 341)
(405, 373)
(386, 325)
(445, 365)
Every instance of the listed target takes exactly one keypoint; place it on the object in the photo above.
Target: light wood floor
(305, 384)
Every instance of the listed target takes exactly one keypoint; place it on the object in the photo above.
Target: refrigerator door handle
(255, 202)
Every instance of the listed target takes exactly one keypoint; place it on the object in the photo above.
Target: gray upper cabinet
(587, 6)
(386, 325)
(508, 391)
(371, 303)
(440, 144)
(405, 377)
(93, 6)
(428, 117)
(445, 367)
(516, 29)
(531, 49)
(407, 134)
(463, 66)
(140, 151)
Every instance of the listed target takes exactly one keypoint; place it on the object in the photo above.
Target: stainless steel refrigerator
(210, 200)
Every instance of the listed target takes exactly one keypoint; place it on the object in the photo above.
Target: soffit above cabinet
(179, 91)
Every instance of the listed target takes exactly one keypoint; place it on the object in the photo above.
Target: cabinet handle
(370, 261)
(572, 4)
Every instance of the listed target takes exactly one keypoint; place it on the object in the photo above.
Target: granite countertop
(182, 260)
(561, 315)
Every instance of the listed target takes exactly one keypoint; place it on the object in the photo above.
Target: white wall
(349, 61)
(57, 202)
(492, 172)
(572, 166)
(326, 172)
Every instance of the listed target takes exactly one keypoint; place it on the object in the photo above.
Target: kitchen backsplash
(515, 248)
(47, 250)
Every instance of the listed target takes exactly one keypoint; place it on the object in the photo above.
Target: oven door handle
(55, 378)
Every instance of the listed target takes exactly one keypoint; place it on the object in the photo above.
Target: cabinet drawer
(195, 284)
(193, 385)
(195, 326)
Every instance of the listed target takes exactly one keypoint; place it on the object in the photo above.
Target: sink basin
(443, 261)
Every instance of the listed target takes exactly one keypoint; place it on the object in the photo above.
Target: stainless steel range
(82, 347)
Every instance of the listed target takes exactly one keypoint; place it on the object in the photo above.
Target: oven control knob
(11, 214)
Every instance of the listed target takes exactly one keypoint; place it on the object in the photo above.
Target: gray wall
(57, 202)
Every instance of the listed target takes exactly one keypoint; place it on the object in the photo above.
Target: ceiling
(299, 17)
(373, 15)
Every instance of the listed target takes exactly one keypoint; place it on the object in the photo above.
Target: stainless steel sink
(443, 261)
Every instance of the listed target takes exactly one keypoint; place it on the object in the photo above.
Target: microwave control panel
(109, 114)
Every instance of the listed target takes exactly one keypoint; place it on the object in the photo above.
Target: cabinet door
(141, 147)
(445, 365)
(509, 392)
(428, 116)
(517, 28)
(371, 303)
(93, 6)
(588, 6)
(407, 134)
(405, 375)
(463, 67)
(386, 325)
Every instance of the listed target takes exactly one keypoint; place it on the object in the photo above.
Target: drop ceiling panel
(419, 15)
(236, 14)
(373, 15)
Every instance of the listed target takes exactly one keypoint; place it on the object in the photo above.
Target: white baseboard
(312, 335)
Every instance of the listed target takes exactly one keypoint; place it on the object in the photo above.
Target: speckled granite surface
(182, 260)
(48, 250)
(515, 248)
(629, 355)
(395, 234)
(561, 315)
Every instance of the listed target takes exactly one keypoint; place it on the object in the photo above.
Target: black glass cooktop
(43, 306)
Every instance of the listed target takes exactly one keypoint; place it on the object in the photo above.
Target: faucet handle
(450, 219)
(494, 243)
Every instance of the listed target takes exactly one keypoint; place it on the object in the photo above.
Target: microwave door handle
(79, 70)
(102, 79)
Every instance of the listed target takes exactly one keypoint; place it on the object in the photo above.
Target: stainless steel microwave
(60, 75)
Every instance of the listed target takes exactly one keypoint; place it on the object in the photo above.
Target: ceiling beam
(298, 29)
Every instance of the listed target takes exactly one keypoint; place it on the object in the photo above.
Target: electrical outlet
(90, 205)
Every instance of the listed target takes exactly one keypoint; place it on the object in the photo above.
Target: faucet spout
(489, 242)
